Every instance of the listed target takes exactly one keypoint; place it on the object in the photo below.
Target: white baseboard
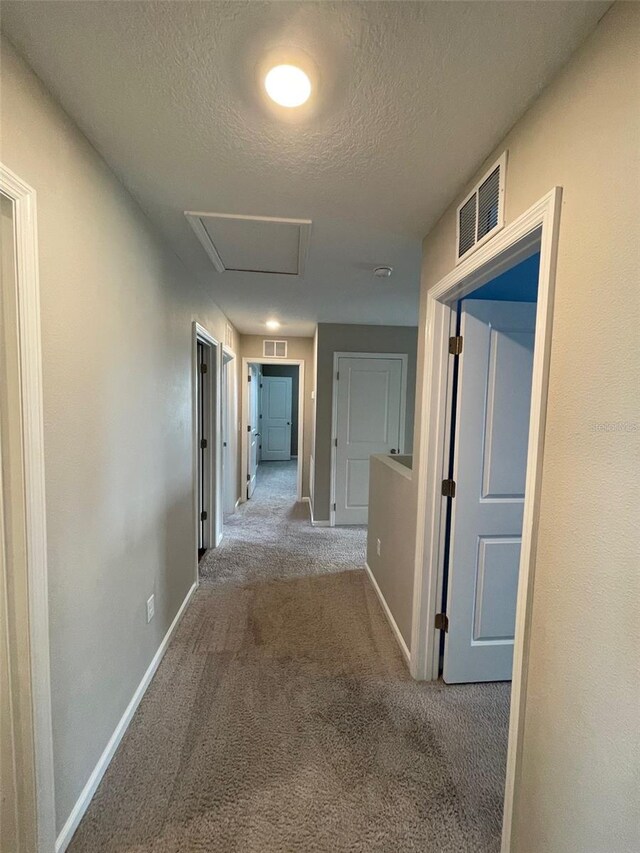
(403, 646)
(82, 803)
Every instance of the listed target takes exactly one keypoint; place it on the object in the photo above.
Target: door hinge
(335, 441)
(337, 375)
(248, 428)
(455, 345)
(442, 622)
(203, 368)
(248, 478)
(449, 488)
(203, 443)
(334, 507)
(203, 515)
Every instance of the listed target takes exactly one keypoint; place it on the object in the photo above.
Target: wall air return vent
(481, 214)
(274, 349)
(228, 336)
(253, 244)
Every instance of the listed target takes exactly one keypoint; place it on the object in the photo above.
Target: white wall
(579, 775)
(117, 309)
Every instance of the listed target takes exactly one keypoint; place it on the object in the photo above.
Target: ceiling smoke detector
(383, 272)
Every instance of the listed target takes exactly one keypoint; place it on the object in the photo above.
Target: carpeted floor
(283, 720)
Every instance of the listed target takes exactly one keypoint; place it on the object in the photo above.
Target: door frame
(246, 361)
(229, 405)
(537, 227)
(214, 476)
(404, 357)
(37, 683)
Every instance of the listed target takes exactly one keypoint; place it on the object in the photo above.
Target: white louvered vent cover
(274, 349)
(228, 336)
(481, 214)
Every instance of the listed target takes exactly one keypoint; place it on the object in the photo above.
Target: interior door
(253, 428)
(275, 423)
(489, 470)
(203, 400)
(368, 420)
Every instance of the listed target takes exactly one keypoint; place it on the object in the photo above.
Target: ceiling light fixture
(272, 324)
(382, 272)
(288, 85)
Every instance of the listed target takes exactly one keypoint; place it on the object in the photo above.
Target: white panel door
(254, 433)
(490, 461)
(369, 416)
(275, 424)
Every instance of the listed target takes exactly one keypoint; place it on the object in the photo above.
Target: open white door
(490, 461)
(369, 419)
(253, 429)
(275, 422)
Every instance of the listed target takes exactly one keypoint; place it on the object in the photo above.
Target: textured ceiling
(410, 98)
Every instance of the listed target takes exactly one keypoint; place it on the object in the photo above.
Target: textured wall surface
(401, 114)
(251, 347)
(579, 779)
(117, 311)
(339, 337)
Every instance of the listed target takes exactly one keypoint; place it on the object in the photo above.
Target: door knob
(393, 450)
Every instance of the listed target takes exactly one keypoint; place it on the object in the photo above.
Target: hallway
(282, 717)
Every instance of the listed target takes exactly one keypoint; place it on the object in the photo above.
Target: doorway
(369, 406)
(485, 492)
(273, 421)
(229, 412)
(26, 746)
(536, 230)
(207, 440)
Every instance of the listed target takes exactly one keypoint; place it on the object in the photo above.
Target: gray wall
(293, 372)
(580, 750)
(392, 520)
(117, 310)
(335, 337)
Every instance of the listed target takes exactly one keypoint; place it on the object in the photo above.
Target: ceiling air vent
(274, 349)
(481, 214)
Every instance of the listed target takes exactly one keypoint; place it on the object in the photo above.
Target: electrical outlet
(151, 608)
(378, 547)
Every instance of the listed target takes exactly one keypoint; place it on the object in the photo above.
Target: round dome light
(287, 85)
(383, 272)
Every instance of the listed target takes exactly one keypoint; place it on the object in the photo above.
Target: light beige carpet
(282, 717)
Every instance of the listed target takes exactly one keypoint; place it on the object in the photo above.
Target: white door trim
(404, 357)
(30, 355)
(245, 418)
(538, 225)
(214, 521)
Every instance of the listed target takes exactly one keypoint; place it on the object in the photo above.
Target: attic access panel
(253, 244)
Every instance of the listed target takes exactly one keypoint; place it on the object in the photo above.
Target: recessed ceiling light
(382, 272)
(272, 324)
(287, 85)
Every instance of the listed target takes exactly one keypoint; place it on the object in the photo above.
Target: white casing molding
(30, 357)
